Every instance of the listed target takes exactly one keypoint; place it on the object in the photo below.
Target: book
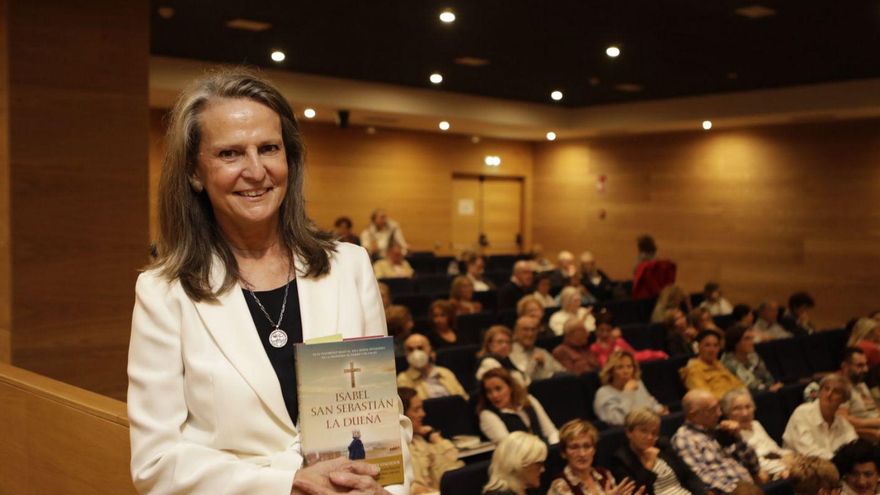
(348, 403)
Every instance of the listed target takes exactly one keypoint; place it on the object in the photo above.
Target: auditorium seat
(630, 311)
(469, 479)
(461, 361)
(724, 321)
(421, 264)
(451, 416)
(769, 411)
(789, 358)
(590, 383)
(417, 304)
(778, 487)
(498, 278)
(489, 299)
(502, 262)
(433, 284)
(670, 423)
(507, 317)
(792, 396)
(824, 350)
(661, 378)
(696, 299)
(644, 336)
(609, 441)
(400, 363)
(470, 328)
(399, 285)
(549, 343)
(562, 398)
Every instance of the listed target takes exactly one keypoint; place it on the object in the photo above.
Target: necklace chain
(276, 326)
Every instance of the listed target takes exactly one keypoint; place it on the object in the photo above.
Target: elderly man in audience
(570, 307)
(857, 464)
(393, 265)
(796, 319)
(535, 361)
(574, 351)
(767, 325)
(426, 378)
(476, 272)
(381, 233)
(595, 280)
(565, 269)
(738, 406)
(520, 284)
(814, 476)
(815, 428)
(714, 450)
(742, 360)
(705, 371)
(714, 301)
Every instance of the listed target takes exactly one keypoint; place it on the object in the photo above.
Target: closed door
(489, 206)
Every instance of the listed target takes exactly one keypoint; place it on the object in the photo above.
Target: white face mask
(417, 358)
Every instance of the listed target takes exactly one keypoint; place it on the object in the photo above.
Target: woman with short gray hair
(738, 406)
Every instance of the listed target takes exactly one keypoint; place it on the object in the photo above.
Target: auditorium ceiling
(524, 50)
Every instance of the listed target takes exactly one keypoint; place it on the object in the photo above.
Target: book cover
(348, 404)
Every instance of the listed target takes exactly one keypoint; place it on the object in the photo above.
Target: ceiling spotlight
(436, 78)
(444, 126)
(492, 161)
(278, 56)
(447, 16)
(707, 124)
(309, 113)
(612, 51)
(556, 95)
(166, 12)
(551, 136)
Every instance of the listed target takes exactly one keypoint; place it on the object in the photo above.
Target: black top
(282, 358)
(626, 464)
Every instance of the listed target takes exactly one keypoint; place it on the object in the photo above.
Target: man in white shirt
(767, 326)
(537, 363)
(379, 234)
(815, 428)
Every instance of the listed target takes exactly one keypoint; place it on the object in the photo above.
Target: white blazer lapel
(229, 322)
(318, 302)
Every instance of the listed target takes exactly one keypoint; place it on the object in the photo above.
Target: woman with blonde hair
(532, 306)
(622, 390)
(671, 297)
(461, 294)
(495, 353)
(866, 336)
(578, 440)
(570, 307)
(504, 406)
(517, 464)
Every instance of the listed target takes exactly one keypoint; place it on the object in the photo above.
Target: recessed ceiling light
(629, 87)
(755, 11)
(436, 78)
(248, 25)
(471, 61)
(447, 16)
(444, 126)
(166, 12)
(551, 136)
(707, 124)
(556, 95)
(612, 51)
(492, 161)
(278, 56)
(309, 113)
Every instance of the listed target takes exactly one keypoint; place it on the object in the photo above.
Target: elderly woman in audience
(517, 464)
(432, 455)
(537, 362)
(866, 336)
(579, 440)
(393, 265)
(701, 319)
(609, 340)
(651, 464)
(767, 326)
(705, 372)
(714, 301)
(505, 406)
(574, 351)
(531, 306)
(738, 406)
(815, 428)
(476, 273)
(570, 302)
(495, 353)
(461, 294)
(542, 291)
(680, 335)
(671, 297)
(597, 282)
(422, 375)
(857, 464)
(442, 331)
(400, 325)
(742, 360)
(622, 390)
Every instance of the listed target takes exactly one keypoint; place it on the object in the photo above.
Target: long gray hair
(189, 236)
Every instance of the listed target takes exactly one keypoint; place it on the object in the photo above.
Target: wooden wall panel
(764, 211)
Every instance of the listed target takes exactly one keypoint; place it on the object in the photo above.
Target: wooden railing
(59, 439)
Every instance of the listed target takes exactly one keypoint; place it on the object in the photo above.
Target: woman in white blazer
(210, 353)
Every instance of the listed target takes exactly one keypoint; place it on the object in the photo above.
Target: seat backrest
(417, 304)
(451, 416)
(470, 328)
(769, 408)
(433, 284)
(562, 398)
(661, 378)
(462, 361)
(489, 299)
(469, 479)
(609, 441)
(399, 285)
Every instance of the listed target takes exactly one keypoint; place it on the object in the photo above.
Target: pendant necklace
(278, 337)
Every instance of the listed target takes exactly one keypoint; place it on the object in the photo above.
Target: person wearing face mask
(857, 464)
(432, 455)
(426, 378)
(537, 362)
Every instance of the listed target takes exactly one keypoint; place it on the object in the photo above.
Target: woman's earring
(196, 185)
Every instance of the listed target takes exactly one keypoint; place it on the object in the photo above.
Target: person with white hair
(381, 233)
(570, 307)
(815, 428)
(739, 406)
(595, 280)
(517, 464)
(520, 285)
(566, 268)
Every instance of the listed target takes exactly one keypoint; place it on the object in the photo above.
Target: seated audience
(815, 428)
(680, 336)
(442, 332)
(714, 302)
(738, 406)
(540, 263)
(393, 265)
(531, 306)
(595, 280)
(342, 229)
(535, 361)
(814, 476)
(742, 314)
(701, 319)
(520, 284)
(570, 302)
(866, 336)
(622, 390)
(767, 326)
(542, 291)
(861, 410)
(495, 353)
(565, 269)
(742, 360)
(671, 297)
(575, 282)
(431, 455)
(422, 375)
(857, 464)
(714, 450)
(796, 319)
(385, 292)
(400, 325)
(578, 442)
(705, 372)
(476, 273)
(609, 340)
(574, 351)
(652, 465)
(381, 233)
(505, 406)
(461, 294)
(517, 464)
